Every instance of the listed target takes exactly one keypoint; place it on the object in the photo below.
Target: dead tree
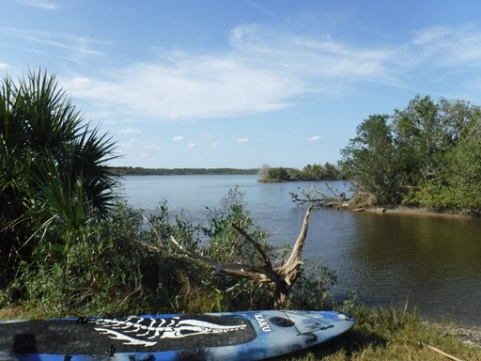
(283, 277)
(314, 196)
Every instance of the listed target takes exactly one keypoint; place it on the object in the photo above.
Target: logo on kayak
(261, 320)
(147, 331)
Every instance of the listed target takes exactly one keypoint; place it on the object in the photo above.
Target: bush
(93, 270)
(121, 265)
(312, 291)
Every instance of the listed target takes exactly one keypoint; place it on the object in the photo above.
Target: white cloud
(72, 47)
(193, 146)
(4, 66)
(79, 83)
(126, 145)
(215, 146)
(203, 87)
(310, 58)
(266, 71)
(41, 4)
(152, 147)
(130, 131)
(243, 140)
(447, 46)
(315, 138)
(179, 138)
(261, 8)
(175, 116)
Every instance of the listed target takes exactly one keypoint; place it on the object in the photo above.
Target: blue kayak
(236, 336)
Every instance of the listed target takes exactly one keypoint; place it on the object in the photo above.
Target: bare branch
(257, 246)
(257, 273)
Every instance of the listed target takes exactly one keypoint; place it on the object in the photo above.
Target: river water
(433, 262)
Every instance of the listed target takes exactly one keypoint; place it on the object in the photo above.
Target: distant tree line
(121, 171)
(427, 155)
(314, 172)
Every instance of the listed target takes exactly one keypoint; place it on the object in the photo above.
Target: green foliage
(96, 269)
(312, 291)
(370, 159)
(458, 185)
(314, 172)
(51, 167)
(65, 248)
(424, 132)
(193, 287)
(225, 243)
(426, 154)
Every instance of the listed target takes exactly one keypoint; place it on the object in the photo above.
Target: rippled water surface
(433, 262)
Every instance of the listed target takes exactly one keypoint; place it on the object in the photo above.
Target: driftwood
(451, 357)
(282, 277)
(315, 197)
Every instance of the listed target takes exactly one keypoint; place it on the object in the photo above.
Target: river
(433, 262)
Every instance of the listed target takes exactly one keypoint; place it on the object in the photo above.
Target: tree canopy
(427, 154)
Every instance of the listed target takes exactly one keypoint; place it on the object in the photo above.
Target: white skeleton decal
(159, 328)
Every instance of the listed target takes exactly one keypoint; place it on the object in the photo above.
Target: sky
(242, 83)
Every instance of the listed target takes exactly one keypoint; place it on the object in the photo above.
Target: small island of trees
(314, 172)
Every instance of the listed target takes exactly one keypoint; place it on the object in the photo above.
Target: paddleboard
(235, 336)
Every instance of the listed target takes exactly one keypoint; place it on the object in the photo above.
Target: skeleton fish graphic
(140, 331)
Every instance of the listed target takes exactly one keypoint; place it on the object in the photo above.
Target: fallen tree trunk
(283, 277)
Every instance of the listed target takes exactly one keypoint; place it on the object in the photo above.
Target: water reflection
(433, 261)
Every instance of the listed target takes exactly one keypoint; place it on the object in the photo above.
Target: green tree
(331, 171)
(458, 185)
(317, 172)
(418, 139)
(370, 160)
(426, 155)
(424, 132)
(51, 162)
(279, 174)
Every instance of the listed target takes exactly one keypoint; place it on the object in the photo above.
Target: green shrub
(122, 264)
(93, 270)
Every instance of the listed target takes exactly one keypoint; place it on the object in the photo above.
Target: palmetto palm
(51, 163)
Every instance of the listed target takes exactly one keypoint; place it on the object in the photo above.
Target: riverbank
(366, 202)
(471, 336)
(391, 334)
(414, 211)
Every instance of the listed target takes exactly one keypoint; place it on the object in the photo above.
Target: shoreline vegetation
(68, 248)
(317, 173)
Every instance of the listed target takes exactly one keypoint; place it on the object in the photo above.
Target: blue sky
(243, 83)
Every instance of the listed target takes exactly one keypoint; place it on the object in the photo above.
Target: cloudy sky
(243, 83)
